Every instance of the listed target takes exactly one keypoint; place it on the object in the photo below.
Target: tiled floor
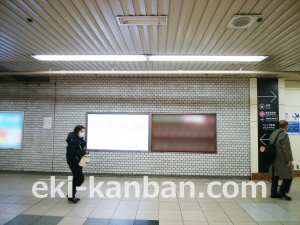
(19, 206)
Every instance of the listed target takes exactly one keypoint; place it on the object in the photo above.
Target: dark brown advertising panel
(183, 133)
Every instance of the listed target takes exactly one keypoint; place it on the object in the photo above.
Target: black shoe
(74, 200)
(275, 196)
(70, 199)
(287, 197)
(284, 196)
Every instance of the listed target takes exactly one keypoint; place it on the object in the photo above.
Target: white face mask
(81, 135)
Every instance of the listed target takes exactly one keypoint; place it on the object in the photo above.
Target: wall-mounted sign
(268, 110)
(47, 123)
(11, 130)
(294, 119)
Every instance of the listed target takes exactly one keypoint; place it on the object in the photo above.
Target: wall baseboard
(127, 175)
(267, 176)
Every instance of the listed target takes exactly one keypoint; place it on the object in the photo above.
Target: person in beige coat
(282, 166)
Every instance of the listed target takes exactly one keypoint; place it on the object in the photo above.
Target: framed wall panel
(183, 133)
(11, 130)
(118, 131)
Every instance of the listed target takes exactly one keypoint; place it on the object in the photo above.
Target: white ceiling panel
(195, 27)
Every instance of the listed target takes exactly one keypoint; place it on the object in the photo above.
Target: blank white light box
(118, 132)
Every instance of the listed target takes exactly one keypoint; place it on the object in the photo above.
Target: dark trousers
(284, 188)
(78, 177)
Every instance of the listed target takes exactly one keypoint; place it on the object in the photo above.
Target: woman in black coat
(75, 150)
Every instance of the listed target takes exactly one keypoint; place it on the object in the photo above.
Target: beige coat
(283, 156)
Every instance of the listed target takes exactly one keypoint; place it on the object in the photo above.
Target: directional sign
(268, 108)
(273, 96)
(262, 139)
(292, 116)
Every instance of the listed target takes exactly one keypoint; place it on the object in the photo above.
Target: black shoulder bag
(270, 152)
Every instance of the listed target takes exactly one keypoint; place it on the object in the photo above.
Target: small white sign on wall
(47, 123)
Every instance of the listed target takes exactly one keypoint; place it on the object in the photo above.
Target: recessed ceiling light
(90, 57)
(242, 21)
(229, 58)
(116, 58)
(142, 20)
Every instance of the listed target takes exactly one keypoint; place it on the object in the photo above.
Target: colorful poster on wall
(11, 130)
(294, 119)
(268, 110)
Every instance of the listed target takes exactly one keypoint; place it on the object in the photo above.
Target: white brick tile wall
(71, 98)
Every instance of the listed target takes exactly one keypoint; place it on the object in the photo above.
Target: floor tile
(86, 202)
(102, 213)
(170, 222)
(80, 211)
(228, 207)
(47, 220)
(278, 212)
(168, 206)
(193, 215)
(195, 223)
(30, 200)
(209, 206)
(96, 221)
(5, 217)
(12, 199)
(126, 204)
(215, 216)
(269, 223)
(147, 214)
(2, 197)
(185, 206)
(220, 223)
(148, 205)
(257, 212)
(23, 220)
(295, 213)
(124, 214)
(37, 210)
(244, 223)
(169, 215)
(291, 223)
(239, 216)
(284, 216)
(50, 201)
(59, 211)
(72, 221)
(146, 222)
(121, 222)
(4, 206)
(16, 208)
(108, 203)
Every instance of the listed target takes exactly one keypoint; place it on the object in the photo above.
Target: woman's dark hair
(77, 129)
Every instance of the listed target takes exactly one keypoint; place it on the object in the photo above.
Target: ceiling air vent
(242, 21)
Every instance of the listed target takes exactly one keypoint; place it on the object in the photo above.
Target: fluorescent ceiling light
(90, 57)
(117, 58)
(142, 20)
(206, 58)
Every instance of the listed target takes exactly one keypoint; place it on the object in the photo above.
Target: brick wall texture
(67, 100)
